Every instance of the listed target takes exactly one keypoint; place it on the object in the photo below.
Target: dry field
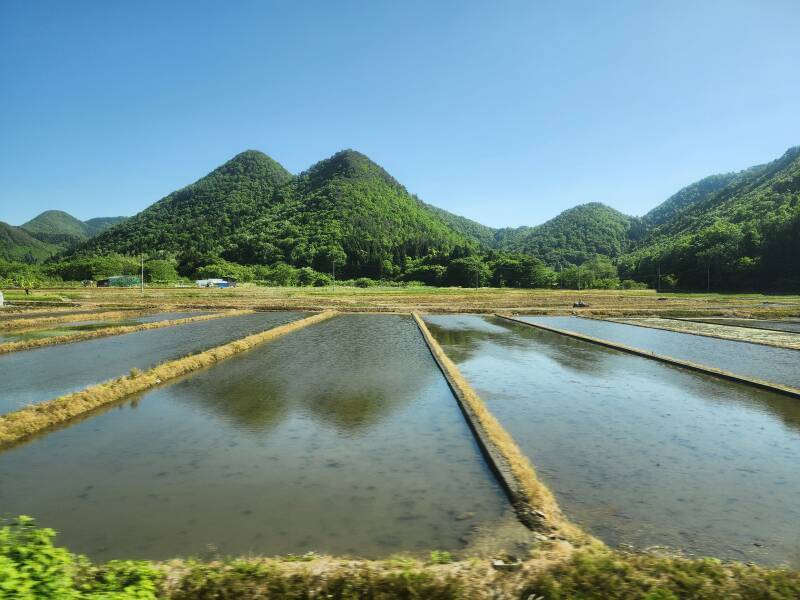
(423, 299)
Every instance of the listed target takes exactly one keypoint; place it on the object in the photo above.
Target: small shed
(217, 282)
(119, 281)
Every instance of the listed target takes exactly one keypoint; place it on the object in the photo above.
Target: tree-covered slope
(100, 224)
(345, 209)
(17, 244)
(199, 218)
(62, 230)
(576, 235)
(473, 230)
(685, 198)
(746, 234)
(56, 227)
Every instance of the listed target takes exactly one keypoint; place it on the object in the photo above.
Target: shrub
(364, 282)
(31, 567)
(630, 284)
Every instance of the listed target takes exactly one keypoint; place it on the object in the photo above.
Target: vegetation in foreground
(33, 567)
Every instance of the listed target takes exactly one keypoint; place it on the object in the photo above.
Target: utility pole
(142, 279)
(708, 276)
(333, 273)
(658, 285)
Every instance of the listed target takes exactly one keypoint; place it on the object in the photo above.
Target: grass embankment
(722, 331)
(23, 324)
(685, 364)
(20, 424)
(80, 336)
(31, 566)
(534, 502)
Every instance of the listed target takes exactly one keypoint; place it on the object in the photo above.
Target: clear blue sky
(506, 112)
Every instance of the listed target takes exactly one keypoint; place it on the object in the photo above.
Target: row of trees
(461, 267)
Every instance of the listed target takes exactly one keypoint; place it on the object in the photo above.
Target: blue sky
(506, 112)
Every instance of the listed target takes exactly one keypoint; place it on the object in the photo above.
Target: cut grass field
(431, 299)
(23, 423)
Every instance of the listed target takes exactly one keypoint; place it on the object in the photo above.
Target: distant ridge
(734, 229)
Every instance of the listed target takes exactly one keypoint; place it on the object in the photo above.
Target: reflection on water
(45, 373)
(639, 452)
(342, 437)
(779, 365)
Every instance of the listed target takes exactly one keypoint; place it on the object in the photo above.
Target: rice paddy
(184, 432)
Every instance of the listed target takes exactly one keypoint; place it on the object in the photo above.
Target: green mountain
(482, 234)
(575, 236)
(57, 227)
(739, 231)
(251, 210)
(100, 224)
(730, 231)
(48, 234)
(18, 245)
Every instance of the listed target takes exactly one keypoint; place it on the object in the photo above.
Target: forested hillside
(742, 235)
(18, 245)
(252, 219)
(344, 212)
(48, 234)
(577, 235)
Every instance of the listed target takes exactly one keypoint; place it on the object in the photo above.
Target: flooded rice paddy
(636, 451)
(342, 437)
(45, 373)
(776, 365)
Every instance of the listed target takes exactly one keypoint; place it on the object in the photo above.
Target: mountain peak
(254, 163)
(56, 222)
(349, 164)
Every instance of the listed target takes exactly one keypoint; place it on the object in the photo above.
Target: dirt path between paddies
(778, 339)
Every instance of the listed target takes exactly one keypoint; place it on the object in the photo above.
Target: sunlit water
(636, 451)
(45, 373)
(342, 437)
(777, 365)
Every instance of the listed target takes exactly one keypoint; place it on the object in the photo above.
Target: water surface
(777, 365)
(636, 451)
(45, 373)
(342, 437)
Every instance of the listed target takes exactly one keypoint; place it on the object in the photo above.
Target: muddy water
(636, 451)
(777, 365)
(342, 437)
(44, 373)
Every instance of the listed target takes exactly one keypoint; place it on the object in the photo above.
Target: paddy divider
(751, 381)
(30, 420)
